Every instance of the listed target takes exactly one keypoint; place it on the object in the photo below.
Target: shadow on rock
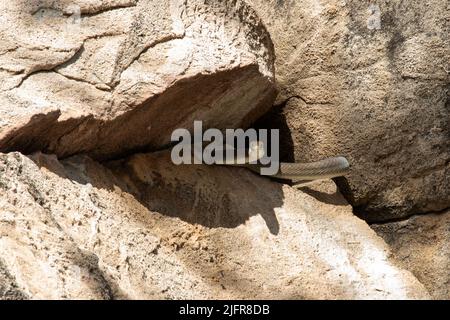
(211, 196)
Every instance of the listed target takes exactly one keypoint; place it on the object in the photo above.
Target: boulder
(143, 228)
(108, 78)
(368, 81)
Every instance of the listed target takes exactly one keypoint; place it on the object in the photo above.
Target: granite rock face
(370, 82)
(145, 228)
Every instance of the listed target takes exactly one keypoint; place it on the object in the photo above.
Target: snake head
(256, 150)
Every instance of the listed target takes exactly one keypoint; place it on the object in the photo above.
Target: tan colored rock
(107, 78)
(375, 93)
(421, 244)
(145, 228)
(110, 78)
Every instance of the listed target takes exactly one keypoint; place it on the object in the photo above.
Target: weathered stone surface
(144, 228)
(111, 77)
(421, 244)
(379, 96)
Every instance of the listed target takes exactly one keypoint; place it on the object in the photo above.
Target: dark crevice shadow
(275, 119)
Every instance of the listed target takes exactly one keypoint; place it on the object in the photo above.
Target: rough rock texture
(368, 80)
(145, 228)
(421, 244)
(95, 82)
(108, 78)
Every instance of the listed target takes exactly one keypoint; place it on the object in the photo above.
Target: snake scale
(324, 169)
(299, 173)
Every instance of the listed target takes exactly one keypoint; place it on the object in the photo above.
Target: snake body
(323, 169)
(304, 172)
